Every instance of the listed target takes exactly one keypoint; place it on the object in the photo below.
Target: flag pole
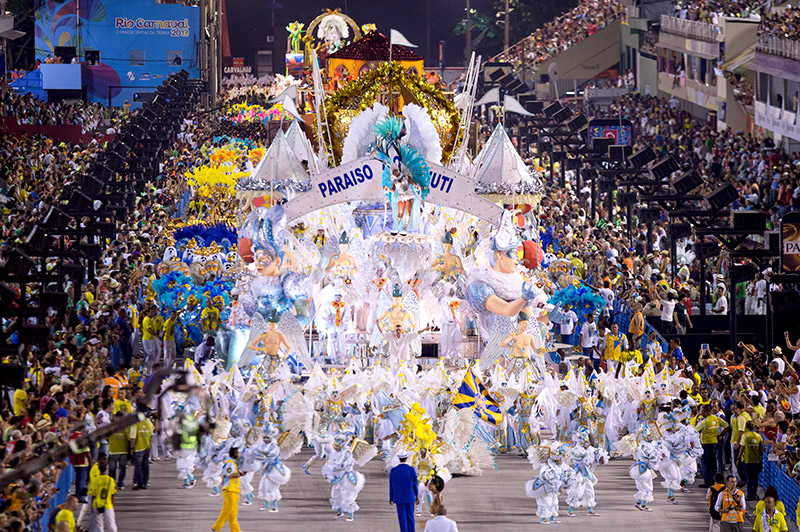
(391, 90)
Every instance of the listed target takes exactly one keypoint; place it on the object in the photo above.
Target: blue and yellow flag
(473, 394)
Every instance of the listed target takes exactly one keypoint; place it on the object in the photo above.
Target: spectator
(67, 513)
(441, 523)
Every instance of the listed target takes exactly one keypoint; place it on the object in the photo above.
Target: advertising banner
(139, 42)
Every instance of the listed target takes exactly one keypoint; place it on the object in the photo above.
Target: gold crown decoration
(213, 249)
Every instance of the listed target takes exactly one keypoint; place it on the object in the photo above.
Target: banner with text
(361, 181)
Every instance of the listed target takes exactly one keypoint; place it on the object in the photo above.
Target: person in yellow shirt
(94, 472)
(21, 400)
(209, 318)
(758, 408)
(751, 452)
(230, 494)
(152, 327)
(122, 404)
(102, 490)
(136, 373)
(770, 520)
(67, 513)
(169, 339)
(710, 428)
(616, 343)
(141, 454)
(738, 424)
(769, 491)
(119, 446)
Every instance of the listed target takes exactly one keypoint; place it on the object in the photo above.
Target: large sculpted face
(507, 261)
(266, 263)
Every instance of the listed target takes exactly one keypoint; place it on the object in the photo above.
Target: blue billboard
(127, 47)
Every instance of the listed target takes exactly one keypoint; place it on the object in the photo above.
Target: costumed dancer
(584, 460)
(248, 465)
(271, 341)
(524, 408)
(545, 486)
(405, 184)
(668, 465)
(451, 322)
(346, 483)
(643, 472)
(522, 347)
(336, 320)
(342, 266)
(325, 416)
(186, 456)
(274, 473)
(692, 449)
(448, 265)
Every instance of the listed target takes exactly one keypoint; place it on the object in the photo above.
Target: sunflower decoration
(416, 431)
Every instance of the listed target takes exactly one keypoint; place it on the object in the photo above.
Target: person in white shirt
(608, 295)
(721, 306)
(761, 295)
(204, 351)
(568, 325)
(588, 340)
(668, 302)
(441, 523)
(398, 343)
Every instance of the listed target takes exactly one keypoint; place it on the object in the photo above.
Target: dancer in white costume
(336, 321)
(584, 460)
(274, 473)
(451, 323)
(643, 472)
(544, 487)
(346, 483)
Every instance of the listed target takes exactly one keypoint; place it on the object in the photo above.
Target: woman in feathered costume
(406, 176)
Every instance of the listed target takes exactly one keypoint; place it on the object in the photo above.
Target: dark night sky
(249, 21)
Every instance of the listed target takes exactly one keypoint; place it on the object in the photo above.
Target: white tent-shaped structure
(499, 171)
(280, 164)
(279, 171)
(300, 145)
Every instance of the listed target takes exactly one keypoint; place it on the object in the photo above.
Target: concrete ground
(494, 502)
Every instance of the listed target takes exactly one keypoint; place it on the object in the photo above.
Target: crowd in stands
(588, 17)
(89, 372)
(708, 11)
(28, 109)
(785, 24)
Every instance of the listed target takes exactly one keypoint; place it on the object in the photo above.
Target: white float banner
(362, 181)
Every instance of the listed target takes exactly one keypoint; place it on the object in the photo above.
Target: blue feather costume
(401, 162)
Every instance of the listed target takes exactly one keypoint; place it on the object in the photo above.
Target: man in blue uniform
(403, 492)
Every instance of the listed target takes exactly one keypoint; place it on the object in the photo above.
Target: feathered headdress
(505, 238)
(267, 228)
(580, 297)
